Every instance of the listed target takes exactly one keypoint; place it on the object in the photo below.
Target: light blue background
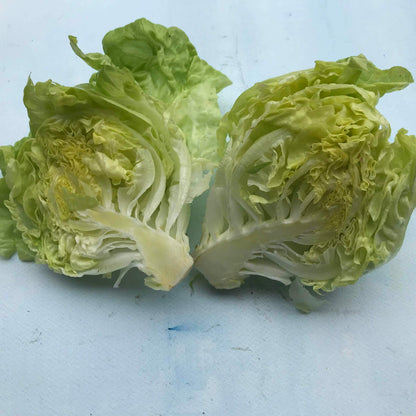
(81, 348)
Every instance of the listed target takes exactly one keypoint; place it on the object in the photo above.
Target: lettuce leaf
(166, 66)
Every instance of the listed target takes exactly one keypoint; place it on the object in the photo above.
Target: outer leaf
(166, 65)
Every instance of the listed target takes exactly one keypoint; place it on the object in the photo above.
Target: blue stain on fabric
(182, 327)
(192, 328)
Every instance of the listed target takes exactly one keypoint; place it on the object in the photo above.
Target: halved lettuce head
(105, 179)
(310, 190)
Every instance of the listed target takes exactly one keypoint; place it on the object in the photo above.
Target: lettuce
(105, 178)
(310, 193)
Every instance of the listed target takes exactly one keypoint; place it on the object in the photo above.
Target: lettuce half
(105, 178)
(311, 192)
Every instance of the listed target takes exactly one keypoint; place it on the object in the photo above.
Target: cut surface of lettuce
(311, 191)
(105, 178)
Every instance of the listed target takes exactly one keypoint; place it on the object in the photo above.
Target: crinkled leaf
(165, 64)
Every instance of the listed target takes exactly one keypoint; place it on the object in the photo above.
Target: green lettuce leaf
(166, 65)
